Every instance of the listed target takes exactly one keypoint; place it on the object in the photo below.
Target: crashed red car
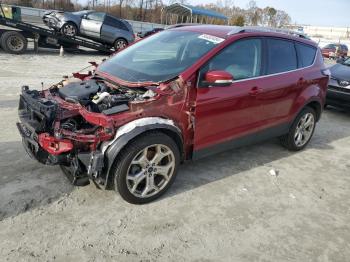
(181, 94)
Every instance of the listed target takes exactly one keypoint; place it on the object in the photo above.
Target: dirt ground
(228, 207)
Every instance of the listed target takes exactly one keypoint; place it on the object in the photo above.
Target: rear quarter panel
(314, 87)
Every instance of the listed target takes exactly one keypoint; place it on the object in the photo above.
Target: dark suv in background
(338, 93)
(180, 94)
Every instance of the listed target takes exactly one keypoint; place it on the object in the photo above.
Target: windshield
(160, 57)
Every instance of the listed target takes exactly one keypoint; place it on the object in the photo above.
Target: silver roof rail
(250, 29)
(236, 30)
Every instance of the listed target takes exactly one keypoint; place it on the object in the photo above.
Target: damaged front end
(66, 124)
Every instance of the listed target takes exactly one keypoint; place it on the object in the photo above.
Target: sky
(309, 12)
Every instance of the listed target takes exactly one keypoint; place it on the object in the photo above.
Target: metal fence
(138, 26)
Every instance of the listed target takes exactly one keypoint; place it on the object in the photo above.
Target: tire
(161, 153)
(301, 130)
(120, 44)
(14, 42)
(69, 29)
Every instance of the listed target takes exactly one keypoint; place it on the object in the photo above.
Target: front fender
(130, 131)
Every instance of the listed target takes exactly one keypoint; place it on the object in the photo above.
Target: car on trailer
(98, 26)
(15, 34)
(181, 94)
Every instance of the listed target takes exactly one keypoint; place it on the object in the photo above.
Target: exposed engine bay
(66, 123)
(100, 97)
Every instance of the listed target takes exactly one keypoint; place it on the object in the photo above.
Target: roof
(224, 31)
(188, 10)
(215, 30)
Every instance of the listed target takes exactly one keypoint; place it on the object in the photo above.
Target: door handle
(255, 91)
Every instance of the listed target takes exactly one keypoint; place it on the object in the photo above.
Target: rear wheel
(119, 44)
(146, 168)
(69, 29)
(13, 42)
(301, 131)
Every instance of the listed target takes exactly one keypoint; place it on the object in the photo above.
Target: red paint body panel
(54, 146)
(210, 116)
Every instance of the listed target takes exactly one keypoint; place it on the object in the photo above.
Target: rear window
(115, 23)
(306, 54)
(282, 56)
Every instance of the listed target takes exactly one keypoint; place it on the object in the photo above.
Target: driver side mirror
(85, 16)
(217, 78)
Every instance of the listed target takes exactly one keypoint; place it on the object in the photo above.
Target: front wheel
(69, 29)
(146, 168)
(301, 130)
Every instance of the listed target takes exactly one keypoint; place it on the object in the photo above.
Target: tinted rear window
(281, 56)
(115, 23)
(306, 54)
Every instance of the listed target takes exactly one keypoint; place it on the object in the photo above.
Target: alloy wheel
(150, 170)
(69, 30)
(304, 129)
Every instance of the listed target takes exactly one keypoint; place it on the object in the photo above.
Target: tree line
(150, 10)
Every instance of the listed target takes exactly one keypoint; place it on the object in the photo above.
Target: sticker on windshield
(211, 38)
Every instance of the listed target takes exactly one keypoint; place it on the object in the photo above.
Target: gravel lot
(225, 208)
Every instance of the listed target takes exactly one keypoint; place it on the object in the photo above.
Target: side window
(115, 23)
(96, 16)
(281, 56)
(306, 54)
(242, 59)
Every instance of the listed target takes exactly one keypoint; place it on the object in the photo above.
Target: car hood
(340, 71)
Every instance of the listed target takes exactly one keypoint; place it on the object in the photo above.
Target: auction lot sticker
(211, 38)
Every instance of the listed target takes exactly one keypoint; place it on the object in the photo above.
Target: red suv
(178, 95)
